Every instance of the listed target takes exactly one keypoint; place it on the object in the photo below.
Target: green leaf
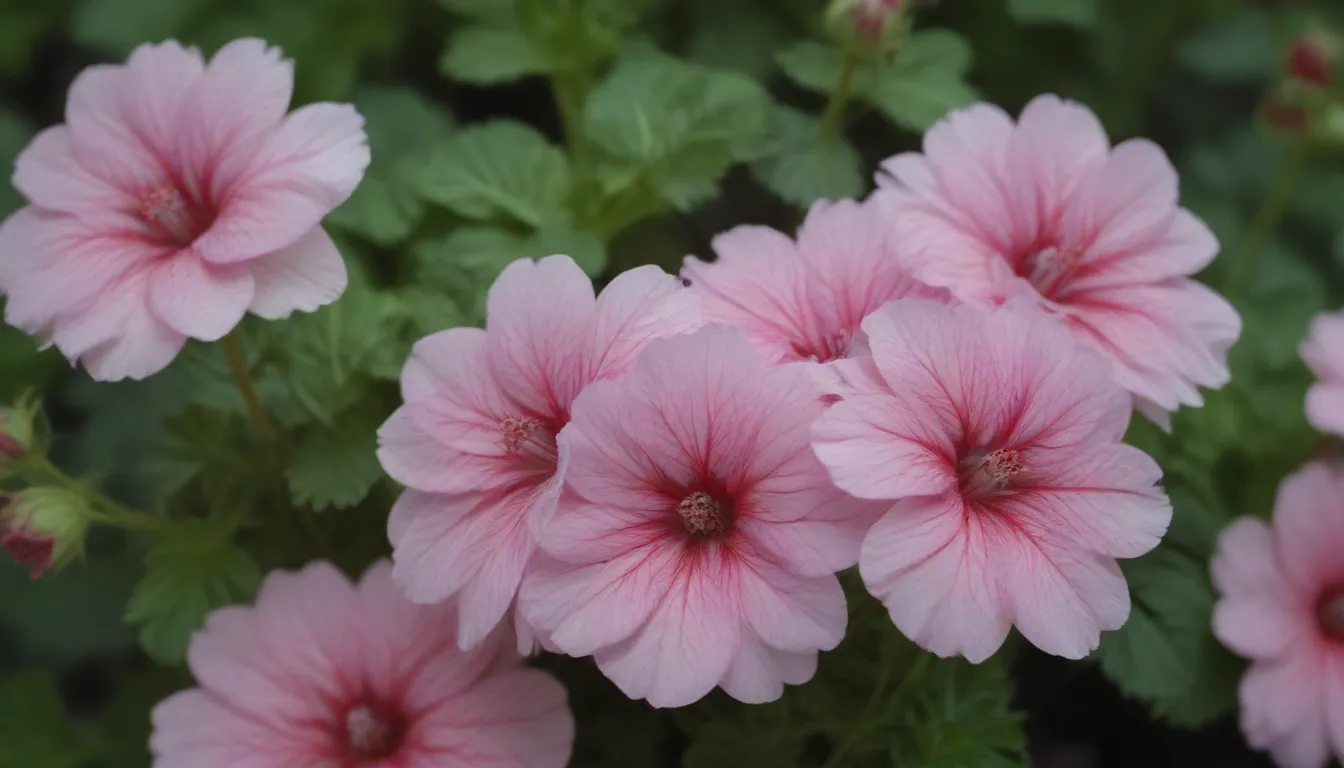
(926, 81)
(671, 127)
(585, 249)
(487, 55)
(1079, 13)
(815, 66)
(118, 26)
(336, 466)
(1212, 692)
(14, 135)
(801, 168)
(1238, 50)
(23, 26)
(402, 126)
(124, 726)
(741, 36)
(1286, 293)
(499, 169)
(1167, 643)
(188, 573)
(960, 717)
(490, 10)
(721, 743)
(35, 731)
(463, 264)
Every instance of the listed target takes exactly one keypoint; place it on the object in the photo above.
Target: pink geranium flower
(325, 673)
(475, 441)
(701, 541)
(176, 198)
(1323, 351)
(1282, 607)
(998, 439)
(1046, 209)
(804, 301)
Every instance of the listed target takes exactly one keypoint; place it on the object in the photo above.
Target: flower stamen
(1050, 267)
(517, 431)
(170, 215)
(370, 734)
(703, 515)
(986, 473)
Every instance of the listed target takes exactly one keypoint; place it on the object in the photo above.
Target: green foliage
(800, 166)
(487, 55)
(1239, 49)
(499, 170)
(1080, 13)
(335, 466)
(668, 129)
(34, 728)
(188, 574)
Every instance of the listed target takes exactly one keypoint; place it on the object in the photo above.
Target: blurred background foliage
(626, 133)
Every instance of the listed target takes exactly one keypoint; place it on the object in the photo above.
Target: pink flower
(1323, 351)
(475, 441)
(1046, 209)
(998, 439)
(325, 673)
(1282, 607)
(701, 540)
(175, 198)
(804, 301)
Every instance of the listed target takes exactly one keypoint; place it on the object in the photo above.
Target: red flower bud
(1310, 60)
(1285, 117)
(871, 17)
(42, 528)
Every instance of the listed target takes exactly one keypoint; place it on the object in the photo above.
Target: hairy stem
(242, 377)
(1266, 221)
(41, 471)
(832, 120)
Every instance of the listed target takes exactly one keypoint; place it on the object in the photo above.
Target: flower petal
(303, 277)
(198, 299)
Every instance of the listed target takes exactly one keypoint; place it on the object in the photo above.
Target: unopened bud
(43, 528)
(1285, 117)
(869, 20)
(1311, 59)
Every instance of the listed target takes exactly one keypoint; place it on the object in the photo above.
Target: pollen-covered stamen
(1330, 614)
(517, 432)
(371, 734)
(170, 215)
(1050, 267)
(704, 515)
(985, 473)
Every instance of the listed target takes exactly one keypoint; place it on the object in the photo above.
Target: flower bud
(1284, 117)
(868, 19)
(1311, 59)
(42, 528)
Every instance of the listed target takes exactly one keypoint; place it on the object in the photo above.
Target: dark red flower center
(373, 733)
(986, 473)
(172, 216)
(1330, 614)
(702, 515)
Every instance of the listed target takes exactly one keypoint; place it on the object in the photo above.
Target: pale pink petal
(585, 608)
(301, 171)
(538, 316)
(968, 151)
(1309, 526)
(1280, 711)
(936, 577)
(49, 174)
(1128, 202)
(107, 137)
(639, 305)
(878, 447)
(686, 646)
(1055, 145)
(519, 719)
(1325, 408)
(758, 672)
(1323, 348)
(197, 299)
(1062, 599)
(788, 612)
(118, 336)
(231, 110)
(305, 276)
(193, 729)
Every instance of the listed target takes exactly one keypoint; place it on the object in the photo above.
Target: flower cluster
(933, 384)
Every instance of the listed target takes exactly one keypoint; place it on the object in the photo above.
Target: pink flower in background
(1282, 607)
(176, 198)
(1323, 351)
(805, 300)
(1047, 209)
(325, 673)
(701, 539)
(997, 437)
(475, 441)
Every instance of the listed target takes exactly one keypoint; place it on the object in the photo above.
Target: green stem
(570, 90)
(842, 750)
(242, 377)
(104, 509)
(832, 120)
(1266, 220)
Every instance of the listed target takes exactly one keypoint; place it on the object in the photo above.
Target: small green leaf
(485, 55)
(402, 126)
(740, 36)
(1079, 13)
(490, 10)
(499, 169)
(801, 168)
(35, 731)
(1167, 643)
(671, 127)
(465, 263)
(926, 81)
(960, 717)
(336, 466)
(812, 65)
(188, 573)
(721, 743)
(585, 249)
